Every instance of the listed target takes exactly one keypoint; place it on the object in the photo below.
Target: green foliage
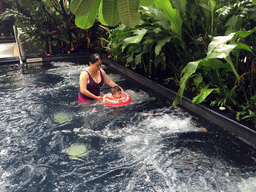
(146, 3)
(202, 95)
(128, 12)
(172, 15)
(143, 45)
(51, 25)
(113, 11)
(110, 12)
(248, 110)
(221, 48)
(86, 21)
(236, 16)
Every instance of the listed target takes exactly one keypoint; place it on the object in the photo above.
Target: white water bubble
(248, 185)
(4, 152)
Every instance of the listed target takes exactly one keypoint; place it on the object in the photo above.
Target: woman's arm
(108, 81)
(83, 86)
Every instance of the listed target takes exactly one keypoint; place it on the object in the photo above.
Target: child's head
(116, 92)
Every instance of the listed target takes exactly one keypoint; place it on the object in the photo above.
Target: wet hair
(95, 57)
(115, 89)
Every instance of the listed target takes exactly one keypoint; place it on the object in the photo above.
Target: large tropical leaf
(110, 12)
(101, 18)
(128, 12)
(146, 3)
(86, 21)
(81, 7)
(172, 15)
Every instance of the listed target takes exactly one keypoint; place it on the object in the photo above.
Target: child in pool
(116, 94)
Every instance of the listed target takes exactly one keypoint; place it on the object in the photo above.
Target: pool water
(50, 142)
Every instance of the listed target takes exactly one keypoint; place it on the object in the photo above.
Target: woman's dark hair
(95, 57)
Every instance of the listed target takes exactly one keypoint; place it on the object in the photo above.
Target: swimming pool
(48, 142)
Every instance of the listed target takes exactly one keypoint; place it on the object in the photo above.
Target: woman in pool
(91, 79)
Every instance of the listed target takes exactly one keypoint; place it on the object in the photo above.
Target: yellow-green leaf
(146, 3)
(87, 21)
(101, 18)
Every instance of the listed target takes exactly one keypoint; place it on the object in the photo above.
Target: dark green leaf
(110, 12)
(244, 47)
(160, 44)
(245, 33)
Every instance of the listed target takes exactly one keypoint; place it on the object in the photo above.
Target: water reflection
(76, 151)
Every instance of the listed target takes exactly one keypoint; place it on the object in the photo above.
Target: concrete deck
(8, 50)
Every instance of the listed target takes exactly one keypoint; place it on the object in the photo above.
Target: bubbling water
(50, 143)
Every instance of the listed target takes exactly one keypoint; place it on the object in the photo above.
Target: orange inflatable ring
(112, 102)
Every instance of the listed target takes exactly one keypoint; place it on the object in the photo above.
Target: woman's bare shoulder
(84, 75)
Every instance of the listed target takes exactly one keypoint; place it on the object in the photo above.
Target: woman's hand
(99, 98)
